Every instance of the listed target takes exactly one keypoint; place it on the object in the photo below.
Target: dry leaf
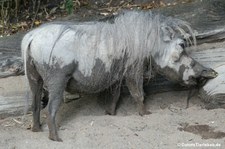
(104, 13)
(53, 10)
(37, 22)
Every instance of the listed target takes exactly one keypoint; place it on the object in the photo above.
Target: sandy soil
(82, 124)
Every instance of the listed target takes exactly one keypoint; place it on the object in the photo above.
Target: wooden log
(12, 96)
(11, 44)
(215, 35)
(209, 54)
(203, 15)
(11, 66)
(11, 63)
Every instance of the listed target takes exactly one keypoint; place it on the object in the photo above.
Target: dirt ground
(83, 124)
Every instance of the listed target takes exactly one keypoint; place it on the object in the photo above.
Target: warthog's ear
(167, 33)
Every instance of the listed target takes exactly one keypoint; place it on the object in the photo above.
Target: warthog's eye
(192, 63)
(182, 45)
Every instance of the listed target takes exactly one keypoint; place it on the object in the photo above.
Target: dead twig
(35, 15)
(18, 122)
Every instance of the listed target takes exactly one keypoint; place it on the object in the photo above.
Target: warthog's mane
(135, 35)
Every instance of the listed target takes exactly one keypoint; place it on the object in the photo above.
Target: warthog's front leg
(135, 86)
(115, 93)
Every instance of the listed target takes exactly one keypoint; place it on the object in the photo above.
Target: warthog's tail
(25, 45)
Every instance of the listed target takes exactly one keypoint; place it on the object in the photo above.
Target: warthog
(93, 56)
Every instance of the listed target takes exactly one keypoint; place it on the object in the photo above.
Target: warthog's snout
(205, 75)
(209, 73)
(202, 74)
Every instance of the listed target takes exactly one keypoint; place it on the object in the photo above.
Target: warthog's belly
(88, 85)
(99, 80)
(213, 92)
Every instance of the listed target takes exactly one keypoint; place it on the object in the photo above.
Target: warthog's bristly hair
(133, 34)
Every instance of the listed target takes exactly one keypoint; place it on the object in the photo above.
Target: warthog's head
(175, 64)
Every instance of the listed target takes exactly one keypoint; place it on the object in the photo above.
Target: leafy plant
(69, 6)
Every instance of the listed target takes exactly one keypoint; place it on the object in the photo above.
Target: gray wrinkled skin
(93, 56)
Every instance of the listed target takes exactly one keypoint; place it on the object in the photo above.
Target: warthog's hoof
(145, 112)
(55, 138)
(36, 128)
(110, 112)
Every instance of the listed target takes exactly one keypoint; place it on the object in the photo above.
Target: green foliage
(69, 6)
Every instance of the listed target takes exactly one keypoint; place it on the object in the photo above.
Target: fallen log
(11, 63)
(203, 15)
(12, 96)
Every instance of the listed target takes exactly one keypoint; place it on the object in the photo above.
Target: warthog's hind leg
(56, 85)
(36, 86)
